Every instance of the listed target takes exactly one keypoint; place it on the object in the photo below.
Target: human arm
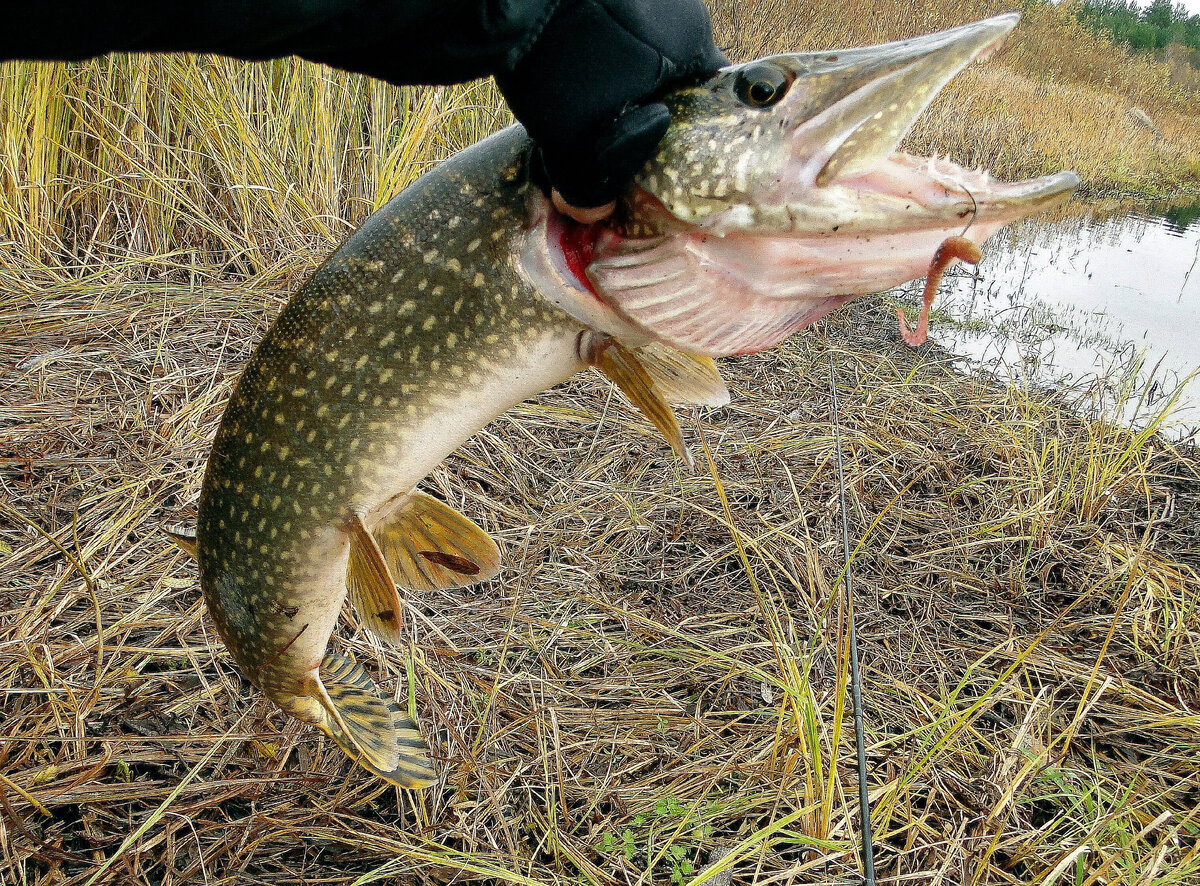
(580, 74)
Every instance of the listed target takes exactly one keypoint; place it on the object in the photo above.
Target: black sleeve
(582, 75)
(588, 88)
(401, 41)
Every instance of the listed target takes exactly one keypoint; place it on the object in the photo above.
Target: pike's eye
(761, 86)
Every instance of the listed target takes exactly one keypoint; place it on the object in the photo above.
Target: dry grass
(660, 670)
(187, 168)
(653, 675)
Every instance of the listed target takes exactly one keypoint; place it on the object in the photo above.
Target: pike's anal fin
(430, 546)
(372, 730)
(183, 536)
(372, 590)
(626, 370)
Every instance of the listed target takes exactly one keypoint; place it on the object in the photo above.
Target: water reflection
(1108, 305)
(1180, 218)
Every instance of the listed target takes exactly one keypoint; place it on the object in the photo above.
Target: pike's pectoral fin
(430, 546)
(683, 378)
(372, 590)
(626, 370)
(374, 731)
(184, 537)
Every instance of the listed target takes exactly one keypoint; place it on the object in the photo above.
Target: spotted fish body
(467, 293)
(416, 333)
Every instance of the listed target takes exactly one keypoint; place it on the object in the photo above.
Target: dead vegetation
(658, 673)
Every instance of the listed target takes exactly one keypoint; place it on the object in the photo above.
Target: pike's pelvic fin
(374, 731)
(682, 378)
(372, 590)
(430, 546)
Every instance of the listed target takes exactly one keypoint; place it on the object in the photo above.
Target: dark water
(1108, 306)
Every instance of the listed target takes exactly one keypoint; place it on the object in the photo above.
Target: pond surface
(1107, 305)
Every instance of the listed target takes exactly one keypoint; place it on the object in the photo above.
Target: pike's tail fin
(374, 731)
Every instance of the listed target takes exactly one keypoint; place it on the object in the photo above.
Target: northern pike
(775, 196)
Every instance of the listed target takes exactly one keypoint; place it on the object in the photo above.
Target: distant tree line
(1153, 28)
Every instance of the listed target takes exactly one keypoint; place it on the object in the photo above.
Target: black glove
(586, 89)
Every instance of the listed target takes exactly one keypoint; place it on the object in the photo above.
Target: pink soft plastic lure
(952, 248)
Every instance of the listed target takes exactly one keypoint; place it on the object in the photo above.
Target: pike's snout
(847, 110)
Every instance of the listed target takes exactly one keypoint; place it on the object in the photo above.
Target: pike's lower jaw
(743, 278)
(903, 192)
(921, 190)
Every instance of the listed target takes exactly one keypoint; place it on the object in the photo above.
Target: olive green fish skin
(333, 414)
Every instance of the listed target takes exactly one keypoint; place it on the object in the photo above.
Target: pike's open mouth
(779, 194)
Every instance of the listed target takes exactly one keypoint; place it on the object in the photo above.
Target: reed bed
(188, 168)
(657, 681)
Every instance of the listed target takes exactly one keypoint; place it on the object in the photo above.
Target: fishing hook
(974, 211)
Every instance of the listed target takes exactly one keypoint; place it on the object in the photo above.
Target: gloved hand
(585, 89)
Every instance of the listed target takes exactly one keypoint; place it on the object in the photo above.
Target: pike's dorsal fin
(372, 591)
(430, 546)
(183, 535)
(682, 378)
(626, 370)
(374, 731)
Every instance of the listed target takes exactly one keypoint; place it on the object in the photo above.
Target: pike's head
(777, 194)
